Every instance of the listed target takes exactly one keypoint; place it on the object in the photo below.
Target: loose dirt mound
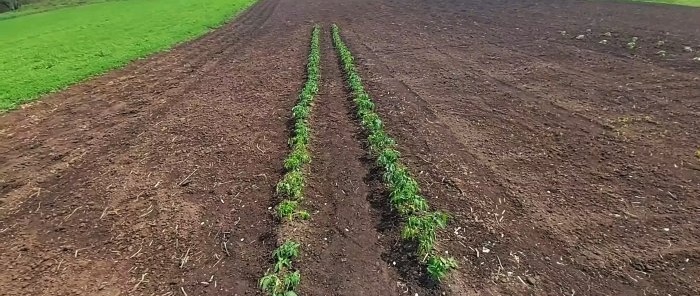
(568, 164)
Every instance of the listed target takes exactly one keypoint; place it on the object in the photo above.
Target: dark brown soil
(570, 162)
(153, 179)
(568, 165)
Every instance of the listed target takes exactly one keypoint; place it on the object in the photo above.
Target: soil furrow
(342, 249)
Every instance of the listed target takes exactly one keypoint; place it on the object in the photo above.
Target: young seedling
(422, 228)
(284, 255)
(297, 159)
(292, 185)
(288, 209)
(438, 267)
(282, 281)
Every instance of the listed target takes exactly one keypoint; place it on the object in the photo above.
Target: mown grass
(695, 3)
(48, 51)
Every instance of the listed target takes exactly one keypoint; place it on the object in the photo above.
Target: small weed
(697, 154)
(630, 119)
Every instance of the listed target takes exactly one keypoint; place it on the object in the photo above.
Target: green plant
(422, 228)
(438, 266)
(292, 281)
(297, 158)
(272, 284)
(292, 185)
(379, 141)
(282, 281)
(388, 157)
(301, 112)
(302, 135)
(407, 201)
(372, 122)
(285, 253)
(287, 209)
(48, 51)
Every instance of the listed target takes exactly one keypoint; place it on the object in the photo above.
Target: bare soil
(568, 164)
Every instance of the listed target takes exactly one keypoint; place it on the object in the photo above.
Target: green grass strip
(291, 187)
(48, 51)
(695, 3)
(421, 224)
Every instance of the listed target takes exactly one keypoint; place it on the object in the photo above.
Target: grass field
(48, 51)
(695, 3)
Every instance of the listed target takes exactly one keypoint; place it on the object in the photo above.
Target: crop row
(282, 279)
(421, 223)
(291, 187)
